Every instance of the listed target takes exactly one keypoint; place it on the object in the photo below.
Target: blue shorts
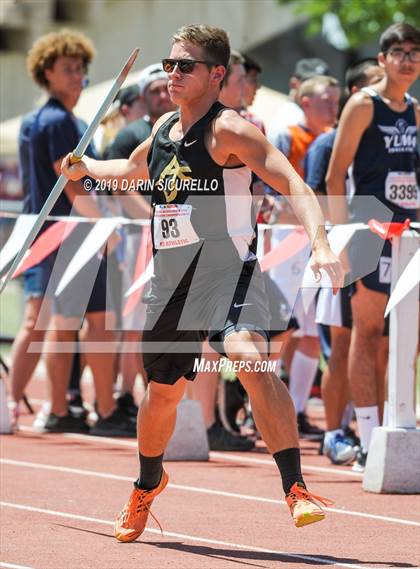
(86, 293)
(370, 261)
(35, 279)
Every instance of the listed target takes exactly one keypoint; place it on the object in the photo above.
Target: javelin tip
(129, 64)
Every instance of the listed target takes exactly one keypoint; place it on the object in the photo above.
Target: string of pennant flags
(297, 240)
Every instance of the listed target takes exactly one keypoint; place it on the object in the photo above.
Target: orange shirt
(300, 140)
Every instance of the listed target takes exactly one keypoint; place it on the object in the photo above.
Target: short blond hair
(48, 48)
(311, 86)
(214, 41)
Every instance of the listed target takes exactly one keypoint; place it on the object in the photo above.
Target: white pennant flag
(142, 280)
(338, 238)
(90, 246)
(23, 226)
(407, 281)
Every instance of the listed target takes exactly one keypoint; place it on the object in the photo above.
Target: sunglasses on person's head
(184, 65)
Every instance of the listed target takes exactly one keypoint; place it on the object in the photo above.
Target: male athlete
(206, 280)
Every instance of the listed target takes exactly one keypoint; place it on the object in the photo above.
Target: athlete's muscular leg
(272, 406)
(368, 309)
(157, 416)
(335, 383)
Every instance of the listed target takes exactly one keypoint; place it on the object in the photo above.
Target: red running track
(60, 494)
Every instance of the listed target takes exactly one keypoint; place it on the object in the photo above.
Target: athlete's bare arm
(356, 117)
(236, 137)
(133, 168)
(86, 207)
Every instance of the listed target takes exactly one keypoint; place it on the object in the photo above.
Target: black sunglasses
(184, 65)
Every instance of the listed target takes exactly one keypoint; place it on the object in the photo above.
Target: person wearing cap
(130, 103)
(290, 112)
(153, 93)
(127, 107)
(150, 95)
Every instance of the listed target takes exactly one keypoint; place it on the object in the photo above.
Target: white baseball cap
(149, 74)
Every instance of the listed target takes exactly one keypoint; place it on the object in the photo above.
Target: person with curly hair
(58, 63)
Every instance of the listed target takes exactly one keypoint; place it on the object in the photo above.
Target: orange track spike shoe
(132, 520)
(303, 506)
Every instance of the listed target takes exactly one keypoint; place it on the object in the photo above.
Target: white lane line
(189, 537)
(215, 455)
(14, 566)
(306, 467)
(200, 490)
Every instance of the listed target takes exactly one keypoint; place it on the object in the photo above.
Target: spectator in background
(127, 107)
(58, 63)
(333, 314)
(232, 93)
(131, 104)
(75, 399)
(377, 134)
(205, 388)
(250, 87)
(362, 73)
(319, 99)
(150, 97)
(290, 112)
(155, 99)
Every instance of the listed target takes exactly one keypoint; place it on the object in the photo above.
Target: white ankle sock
(302, 374)
(367, 420)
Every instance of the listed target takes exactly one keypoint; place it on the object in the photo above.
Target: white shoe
(42, 416)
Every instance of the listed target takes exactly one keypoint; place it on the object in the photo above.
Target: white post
(403, 337)
(393, 462)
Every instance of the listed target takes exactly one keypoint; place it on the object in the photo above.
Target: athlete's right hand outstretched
(73, 171)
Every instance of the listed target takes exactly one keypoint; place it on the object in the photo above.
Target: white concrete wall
(116, 26)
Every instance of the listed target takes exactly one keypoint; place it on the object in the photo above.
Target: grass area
(11, 309)
(11, 314)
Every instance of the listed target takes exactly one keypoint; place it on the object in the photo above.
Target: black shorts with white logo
(211, 305)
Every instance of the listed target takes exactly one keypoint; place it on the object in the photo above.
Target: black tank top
(385, 162)
(198, 205)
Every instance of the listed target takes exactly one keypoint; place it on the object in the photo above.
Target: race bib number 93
(173, 227)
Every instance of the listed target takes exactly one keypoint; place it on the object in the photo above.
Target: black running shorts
(215, 305)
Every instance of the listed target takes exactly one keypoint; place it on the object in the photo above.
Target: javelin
(76, 156)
